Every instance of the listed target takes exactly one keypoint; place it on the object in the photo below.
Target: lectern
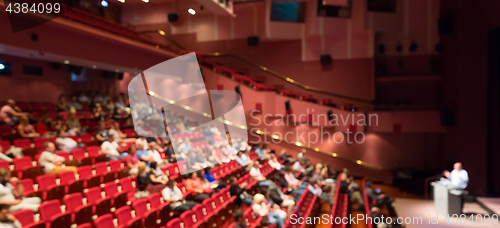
(447, 202)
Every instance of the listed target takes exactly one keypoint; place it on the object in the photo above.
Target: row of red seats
(340, 207)
(367, 203)
(33, 106)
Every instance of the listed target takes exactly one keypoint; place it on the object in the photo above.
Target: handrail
(427, 180)
(263, 68)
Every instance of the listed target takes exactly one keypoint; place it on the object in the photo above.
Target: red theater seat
(36, 107)
(22, 143)
(103, 205)
(104, 221)
(85, 173)
(120, 199)
(49, 107)
(124, 217)
(26, 218)
(68, 179)
(51, 212)
(149, 216)
(83, 212)
(47, 183)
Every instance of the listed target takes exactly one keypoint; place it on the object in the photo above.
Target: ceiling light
(122, 1)
(104, 3)
(146, 1)
(66, 61)
(2, 66)
(191, 11)
(94, 66)
(116, 70)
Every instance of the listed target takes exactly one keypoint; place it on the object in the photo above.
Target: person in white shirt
(173, 194)
(257, 175)
(53, 163)
(262, 208)
(115, 130)
(144, 143)
(7, 220)
(274, 162)
(111, 148)
(298, 166)
(66, 143)
(13, 196)
(156, 156)
(459, 178)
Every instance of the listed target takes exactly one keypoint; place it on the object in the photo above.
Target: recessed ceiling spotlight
(122, 1)
(104, 3)
(66, 61)
(191, 11)
(94, 66)
(146, 1)
(2, 66)
(116, 70)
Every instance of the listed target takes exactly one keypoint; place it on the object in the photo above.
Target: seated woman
(208, 178)
(273, 162)
(197, 188)
(13, 196)
(212, 155)
(293, 183)
(73, 123)
(144, 180)
(62, 105)
(156, 174)
(44, 126)
(115, 130)
(132, 160)
(25, 129)
(266, 210)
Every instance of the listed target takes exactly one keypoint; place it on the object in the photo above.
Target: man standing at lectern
(459, 178)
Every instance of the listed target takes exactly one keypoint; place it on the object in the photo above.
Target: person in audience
(226, 152)
(62, 105)
(52, 163)
(381, 199)
(459, 178)
(144, 180)
(73, 103)
(348, 186)
(242, 158)
(115, 130)
(185, 146)
(154, 151)
(58, 124)
(13, 196)
(44, 126)
(25, 129)
(278, 197)
(276, 207)
(239, 220)
(212, 155)
(101, 134)
(273, 162)
(156, 174)
(296, 185)
(143, 141)
(314, 188)
(298, 166)
(73, 123)
(197, 188)
(10, 153)
(240, 192)
(285, 157)
(7, 220)
(83, 98)
(99, 113)
(144, 154)
(266, 210)
(200, 159)
(131, 160)
(210, 180)
(65, 143)
(257, 175)
(10, 113)
(169, 152)
(173, 195)
(111, 148)
(192, 163)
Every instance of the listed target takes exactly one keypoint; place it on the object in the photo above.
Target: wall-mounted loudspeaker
(75, 69)
(253, 40)
(447, 118)
(287, 105)
(55, 66)
(326, 59)
(445, 25)
(330, 115)
(173, 17)
(237, 90)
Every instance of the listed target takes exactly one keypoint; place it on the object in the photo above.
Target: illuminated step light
(66, 61)
(191, 11)
(334, 154)
(316, 149)
(104, 3)
(359, 162)
(298, 144)
(122, 1)
(146, 1)
(2, 66)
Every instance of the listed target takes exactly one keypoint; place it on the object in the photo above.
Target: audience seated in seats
(73, 123)
(99, 113)
(44, 126)
(212, 155)
(144, 180)
(115, 130)
(267, 211)
(13, 196)
(198, 189)
(82, 98)
(240, 192)
(242, 158)
(141, 140)
(277, 208)
(7, 220)
(296, 185)
(156, 174)
(192, 163)
(131, 160)
(73, 103)
(101, 134)
(58, 124)
(273, 162)
(154, 151)
(25, 129)
(381, 199)
(52, 163)
(10, 113)
(239, 220)
(284, 157)
(111, 149)
(169, 152)
(144, 154)
(62, 105)
(257, 175)
(13, 152)
(184, 146)
(226, 152)
(201, 160)
(348, 186)
(65, 143)
(278, 197)
(173, 195)
(314, 188)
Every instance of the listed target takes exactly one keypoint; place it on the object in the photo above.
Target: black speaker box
(326, 59)
(445, 25)
(173, 17)
(447, 118)
(287, 105)
(253, 40)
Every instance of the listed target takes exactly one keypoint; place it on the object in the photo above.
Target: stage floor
(491, 203)
(414, 209)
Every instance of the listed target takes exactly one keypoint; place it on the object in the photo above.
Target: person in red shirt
(197, 188)
(131, 160)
